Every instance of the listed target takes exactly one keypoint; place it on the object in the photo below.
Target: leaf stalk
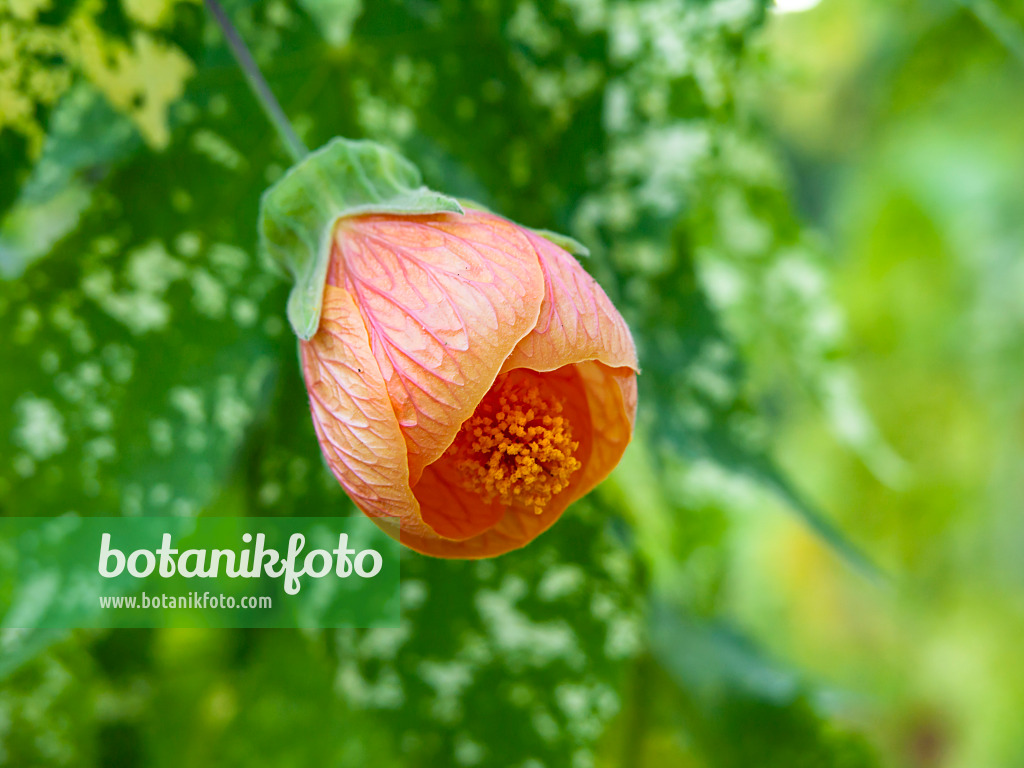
(257, 83)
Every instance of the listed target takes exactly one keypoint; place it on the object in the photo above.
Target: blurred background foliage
(814, 224)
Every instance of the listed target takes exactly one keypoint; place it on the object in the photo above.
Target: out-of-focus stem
(1002, 27)
(257, 83)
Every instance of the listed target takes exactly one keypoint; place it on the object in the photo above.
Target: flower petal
(611, 396)
(449, 510)
(445, 299)
(352, 415)
(473, 529)
(577, 320)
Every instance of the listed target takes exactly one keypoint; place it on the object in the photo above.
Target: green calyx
(570, 244)
(343, 178)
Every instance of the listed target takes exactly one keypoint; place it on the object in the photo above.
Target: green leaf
(726, 685)
(334, 18)
(86, 135)
(710, 658)
(534, 643)
(342, 178)
(139, 352)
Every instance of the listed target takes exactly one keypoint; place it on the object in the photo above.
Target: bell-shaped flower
(467, 378)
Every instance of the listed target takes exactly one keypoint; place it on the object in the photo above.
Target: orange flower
(468, 379)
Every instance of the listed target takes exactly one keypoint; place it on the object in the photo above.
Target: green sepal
(299, 212)
(570, 244)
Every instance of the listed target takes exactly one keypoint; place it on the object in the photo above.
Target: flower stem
(259, 86)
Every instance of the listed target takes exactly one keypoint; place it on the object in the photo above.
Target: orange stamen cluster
(517, 447)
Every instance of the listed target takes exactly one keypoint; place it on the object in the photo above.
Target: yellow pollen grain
(516, 448)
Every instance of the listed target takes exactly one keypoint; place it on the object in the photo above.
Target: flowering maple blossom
(468, 379)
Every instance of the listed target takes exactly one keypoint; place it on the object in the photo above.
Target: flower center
(517, 447)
